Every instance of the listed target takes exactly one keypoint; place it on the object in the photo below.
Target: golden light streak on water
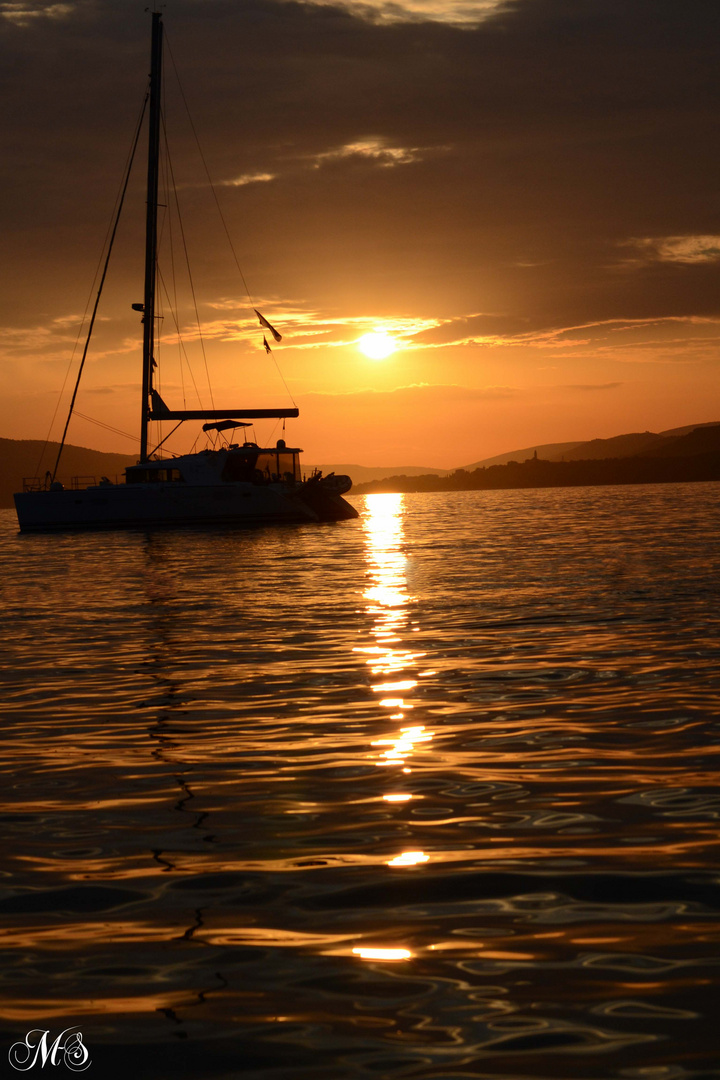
(57, 938)
(409, 858)
(277, 937)
(368, 953)
(406, 684)
(456, 945)
(402, 744)
(36, 1009)
(389, 604)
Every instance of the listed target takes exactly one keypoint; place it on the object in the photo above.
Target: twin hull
(123, 505)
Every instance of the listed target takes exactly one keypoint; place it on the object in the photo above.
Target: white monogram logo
(68, 1049)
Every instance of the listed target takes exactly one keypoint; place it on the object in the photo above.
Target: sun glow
(377, 345)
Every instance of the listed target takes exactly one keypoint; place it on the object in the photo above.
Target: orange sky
(523, 194)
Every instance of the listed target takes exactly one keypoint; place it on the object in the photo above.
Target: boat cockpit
(235, 463)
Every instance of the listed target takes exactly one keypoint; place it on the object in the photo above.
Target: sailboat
(236, 483)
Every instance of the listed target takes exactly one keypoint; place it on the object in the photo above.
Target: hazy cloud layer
(567, 130)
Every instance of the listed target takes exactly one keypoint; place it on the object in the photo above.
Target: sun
(378, 345)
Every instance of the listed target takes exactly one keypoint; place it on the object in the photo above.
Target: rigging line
(108, 427)
(274, 429)
(219, 208)
(282, 379)
(207, 172)
(102, 282)
(173, 304)
(173, 307)
(128, 162)
(165, 440)
(217, 203)
(181, 343)
(171, 174)
(174, 311)
(157, 356)
(155, 368)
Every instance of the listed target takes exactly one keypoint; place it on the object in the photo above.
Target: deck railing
(75, 483)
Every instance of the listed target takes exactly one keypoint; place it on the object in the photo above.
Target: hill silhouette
(662, 459)
(21, 458)
(701, 440)
(616, 446)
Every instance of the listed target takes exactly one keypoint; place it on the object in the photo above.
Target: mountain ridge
(590, 449)
(631, 459)
(20, 458)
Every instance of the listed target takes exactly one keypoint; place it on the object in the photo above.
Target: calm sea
(433, 793)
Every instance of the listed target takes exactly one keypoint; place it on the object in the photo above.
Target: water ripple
(432, 793)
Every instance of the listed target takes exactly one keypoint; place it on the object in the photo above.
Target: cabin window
(267, 465)
(278, 465)
(289, 466)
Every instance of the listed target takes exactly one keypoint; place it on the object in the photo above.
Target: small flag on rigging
(267, 347)
(266, 324)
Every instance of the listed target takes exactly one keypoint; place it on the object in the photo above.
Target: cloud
(24, 14)
(689, 250)
(670, 340)
(344, 331)
(490, 330)
(307, 328)
(56, 338)
(375, 150)
(457, 12)
(249, 178)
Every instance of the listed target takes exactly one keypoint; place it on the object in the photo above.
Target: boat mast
(151, 228)
(153, 407)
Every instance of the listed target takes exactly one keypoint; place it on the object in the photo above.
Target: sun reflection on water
(402, 745)
(409, 858)
(382, 954)
(390, 605)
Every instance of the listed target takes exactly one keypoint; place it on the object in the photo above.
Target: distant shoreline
(681, 455)
(536, 473)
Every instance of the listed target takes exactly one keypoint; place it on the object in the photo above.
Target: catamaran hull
(129, 506)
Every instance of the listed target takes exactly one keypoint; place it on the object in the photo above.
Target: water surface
(432, 793)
